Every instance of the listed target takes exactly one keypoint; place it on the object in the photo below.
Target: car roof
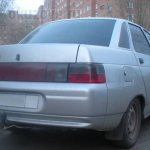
(100, 18)
(90, 18)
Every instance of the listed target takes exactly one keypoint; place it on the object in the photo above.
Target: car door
(142, 51)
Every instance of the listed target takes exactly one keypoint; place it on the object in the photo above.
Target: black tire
(130, 125)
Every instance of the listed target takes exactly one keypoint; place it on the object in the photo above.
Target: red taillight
(22, 72)
(49, 72)
(33, 72)
(86, 73)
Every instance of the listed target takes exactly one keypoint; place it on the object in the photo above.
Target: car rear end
(44, 84)
(61, 92)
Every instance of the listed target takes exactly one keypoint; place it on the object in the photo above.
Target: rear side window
(140, 42)
(124, 38)
(80, 31)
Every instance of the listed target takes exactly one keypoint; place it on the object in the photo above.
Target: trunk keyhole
(18, 57)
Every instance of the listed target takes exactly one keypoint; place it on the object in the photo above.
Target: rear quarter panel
(124, 81)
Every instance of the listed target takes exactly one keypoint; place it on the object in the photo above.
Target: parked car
(81, 73)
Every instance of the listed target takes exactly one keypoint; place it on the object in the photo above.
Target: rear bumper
(32, 120)
(63, 105)
(59, 121)
(54, 98)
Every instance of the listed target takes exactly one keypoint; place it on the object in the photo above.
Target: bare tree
(137, 11)
(4, 4)
(123, 8)
(142, 12)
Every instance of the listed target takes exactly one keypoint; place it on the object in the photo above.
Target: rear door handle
(141, 60)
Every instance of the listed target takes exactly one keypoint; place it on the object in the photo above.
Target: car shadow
(54, 139)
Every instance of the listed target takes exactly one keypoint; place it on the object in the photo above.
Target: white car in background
(80, 73)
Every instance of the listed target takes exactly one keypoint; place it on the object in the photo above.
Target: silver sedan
(79, 73)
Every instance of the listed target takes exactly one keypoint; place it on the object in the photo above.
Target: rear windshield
(82, 31)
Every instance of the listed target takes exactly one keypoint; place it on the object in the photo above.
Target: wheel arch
(117, 134)
(141, 99)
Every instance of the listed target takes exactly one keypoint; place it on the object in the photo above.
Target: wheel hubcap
(132, 122)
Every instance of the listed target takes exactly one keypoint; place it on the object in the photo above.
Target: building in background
(46, 12)
(14, 26)
(61, 9)
(82, 8)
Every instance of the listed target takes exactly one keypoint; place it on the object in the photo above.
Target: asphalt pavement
(58, 139)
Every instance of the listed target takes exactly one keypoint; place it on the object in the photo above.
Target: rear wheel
(130, 126)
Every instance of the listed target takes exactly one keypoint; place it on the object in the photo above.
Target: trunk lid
(36, 62)
(39, 53)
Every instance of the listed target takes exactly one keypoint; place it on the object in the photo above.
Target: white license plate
(19, 100)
